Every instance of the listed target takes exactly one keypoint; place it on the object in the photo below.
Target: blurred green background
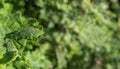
(78, 34)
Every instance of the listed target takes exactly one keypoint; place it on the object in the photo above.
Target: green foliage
(78, 34)
(16, 32)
